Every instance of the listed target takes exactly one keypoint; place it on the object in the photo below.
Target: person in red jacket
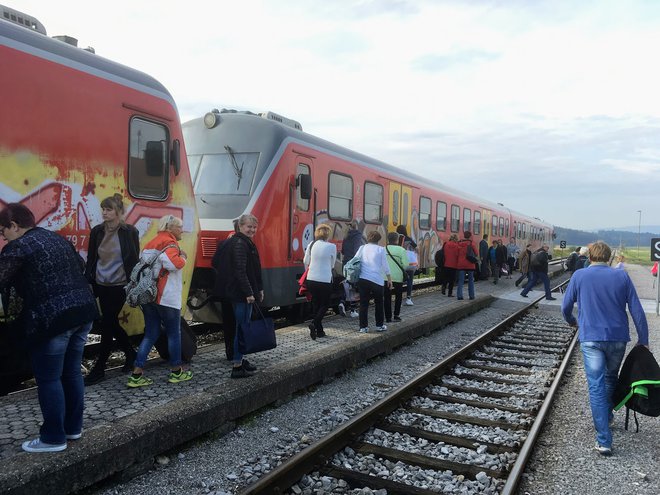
(465, 266)
(451, 263)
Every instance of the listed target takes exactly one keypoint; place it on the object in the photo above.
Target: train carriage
(292, 181)
(76, 128)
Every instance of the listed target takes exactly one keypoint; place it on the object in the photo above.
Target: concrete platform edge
(132, 440)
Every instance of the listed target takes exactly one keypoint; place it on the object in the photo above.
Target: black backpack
(638, 387)
(536, 260)
(221, 263)
(470, 255)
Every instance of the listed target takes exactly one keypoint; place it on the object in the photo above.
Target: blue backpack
(352, 268)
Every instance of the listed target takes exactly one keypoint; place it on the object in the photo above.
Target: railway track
(467, 425)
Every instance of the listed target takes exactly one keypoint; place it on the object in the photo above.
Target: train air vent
(282, 120)
(209, 245)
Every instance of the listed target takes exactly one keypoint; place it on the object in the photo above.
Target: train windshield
(225, 173)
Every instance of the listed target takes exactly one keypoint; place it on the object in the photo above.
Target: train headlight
(211, 119)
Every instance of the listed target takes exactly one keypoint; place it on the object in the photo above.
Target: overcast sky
(550, 107)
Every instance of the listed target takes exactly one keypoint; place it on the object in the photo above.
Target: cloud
(440, 62)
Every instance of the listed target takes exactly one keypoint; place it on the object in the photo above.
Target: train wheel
(296, 313)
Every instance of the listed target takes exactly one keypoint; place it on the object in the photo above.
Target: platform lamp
(639, 229)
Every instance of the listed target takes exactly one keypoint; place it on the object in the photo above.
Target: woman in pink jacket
(166, 309)
(465, 266)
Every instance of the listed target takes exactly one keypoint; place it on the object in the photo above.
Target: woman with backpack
(114, 249)
(373, 269)
(245, 287)
(166, 309)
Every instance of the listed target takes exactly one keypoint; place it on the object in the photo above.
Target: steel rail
(290, 472)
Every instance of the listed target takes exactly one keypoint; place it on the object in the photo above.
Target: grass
(638, 257)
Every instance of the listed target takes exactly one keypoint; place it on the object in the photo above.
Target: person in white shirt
(374, 269)
(320, 258)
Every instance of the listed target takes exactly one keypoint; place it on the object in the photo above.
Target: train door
(301, 221)
(399, 207)
(486, 216)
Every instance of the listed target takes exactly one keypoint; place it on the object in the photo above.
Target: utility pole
(639, 229)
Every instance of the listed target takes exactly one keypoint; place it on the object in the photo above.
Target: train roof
(29, 41)
(283, 132)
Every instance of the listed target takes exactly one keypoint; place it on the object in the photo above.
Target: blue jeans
(243, 313)
(154, 316)
(409, 275)
(601, 365)
(461, 281)
(535, 277)
(56, 365)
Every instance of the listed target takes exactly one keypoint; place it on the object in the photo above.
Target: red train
(266, 165)
(75, 128)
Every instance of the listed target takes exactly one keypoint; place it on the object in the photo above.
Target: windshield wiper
(237, 170)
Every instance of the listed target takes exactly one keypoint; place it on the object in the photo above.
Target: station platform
(124, 428)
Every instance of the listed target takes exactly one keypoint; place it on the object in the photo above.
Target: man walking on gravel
(602, 294)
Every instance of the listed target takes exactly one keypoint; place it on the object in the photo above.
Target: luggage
(257, 335)
(638, 387)
(188, 343)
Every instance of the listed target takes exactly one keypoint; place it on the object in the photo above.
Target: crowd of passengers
(59, 292)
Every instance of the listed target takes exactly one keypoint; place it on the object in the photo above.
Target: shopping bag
(256, 335)
(303, 290)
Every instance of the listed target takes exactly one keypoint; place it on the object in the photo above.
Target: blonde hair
(246, 218)
(453, 237)
(584, 251)
(168, 221)
(322, 232)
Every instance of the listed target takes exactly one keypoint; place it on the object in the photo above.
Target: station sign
(562, 244)
(655, 249)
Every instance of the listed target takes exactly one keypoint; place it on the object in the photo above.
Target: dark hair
(114, 202)
(373, 237)
(19, 214)
(401, 229)
(467, 234)
(393, 238)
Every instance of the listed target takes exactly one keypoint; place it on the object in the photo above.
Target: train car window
(340, 197)
(425, 212)
(301, 204)
(226, 173)
(441, 216)
(405, 215)
(501, 226)
(395, 206)
(467, 219)
(148, 164)
(373, 202)
(506, 227)
(455, 218)
(477, 222)
(494, 220)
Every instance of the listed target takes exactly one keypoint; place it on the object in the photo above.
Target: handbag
(302, 282)
(256, 335)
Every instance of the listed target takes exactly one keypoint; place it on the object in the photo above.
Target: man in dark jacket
(538, 269)
(572, 260)
(352, 242)
(483, 255)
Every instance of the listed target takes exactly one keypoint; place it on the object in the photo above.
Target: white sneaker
(37, 445)
(381, 328)
(342, 309)
(409, 302)
(364, 330)
(354, 314)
